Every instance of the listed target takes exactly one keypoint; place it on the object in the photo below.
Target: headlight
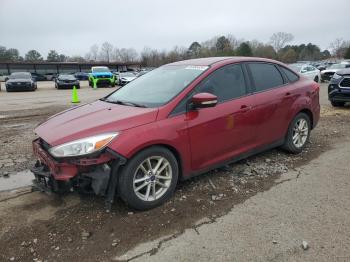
(83, 146)
(336, 76)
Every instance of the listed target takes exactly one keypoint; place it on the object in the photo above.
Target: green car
(101, 76)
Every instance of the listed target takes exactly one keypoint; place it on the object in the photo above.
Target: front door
(218, 133)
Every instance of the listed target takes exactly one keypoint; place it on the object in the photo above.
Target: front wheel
(298, 133)
(149, 178)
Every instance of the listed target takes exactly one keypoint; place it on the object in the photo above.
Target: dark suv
(339, 88)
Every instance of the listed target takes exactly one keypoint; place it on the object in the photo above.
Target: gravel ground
(76, 227)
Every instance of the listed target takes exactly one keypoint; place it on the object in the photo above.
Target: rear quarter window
(265, 76)
(291, 76)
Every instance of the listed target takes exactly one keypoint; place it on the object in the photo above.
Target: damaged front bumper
(89, 174)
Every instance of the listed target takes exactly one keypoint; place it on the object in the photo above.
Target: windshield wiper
(126, 103)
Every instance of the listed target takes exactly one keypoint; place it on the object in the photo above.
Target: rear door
(218, 133)
(273, 98)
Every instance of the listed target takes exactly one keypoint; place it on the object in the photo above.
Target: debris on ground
(305, 245)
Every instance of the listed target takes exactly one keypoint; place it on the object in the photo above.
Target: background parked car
(81, 76)
(38, 77)
(329, 72)
(126, 77)
(307, 70)
(20, 81)
(339, 88)
(3, 77)
(66, 82)
(50, 76)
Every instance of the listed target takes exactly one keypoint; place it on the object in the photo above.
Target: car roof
(21, 73)
(208, 61)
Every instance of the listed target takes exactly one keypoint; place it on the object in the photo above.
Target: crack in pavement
(155, 250)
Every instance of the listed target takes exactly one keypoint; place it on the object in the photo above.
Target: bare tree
(127, 55)
(106, 51)
(280, 39)
(338, 47)
(94, 52)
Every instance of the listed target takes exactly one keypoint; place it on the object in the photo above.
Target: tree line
(278, 48)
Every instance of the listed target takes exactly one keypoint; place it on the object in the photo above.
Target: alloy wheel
(300, 132)
(152, 178)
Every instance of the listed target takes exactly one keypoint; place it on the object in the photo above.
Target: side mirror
(203, 100)
(303, 71)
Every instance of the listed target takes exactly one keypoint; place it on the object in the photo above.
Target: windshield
(337, 66)
(296, 67)
(158, 86)
(66, 77)
(20, 76)
(100, 69)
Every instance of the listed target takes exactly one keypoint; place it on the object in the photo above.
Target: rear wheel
(337, 104)
(298, 133)
(149, 178)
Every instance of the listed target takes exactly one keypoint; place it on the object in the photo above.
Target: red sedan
(175, 122)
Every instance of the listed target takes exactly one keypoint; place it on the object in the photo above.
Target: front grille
(345, 82)
(69, 81)
(103, 82)
(329, 73)
(103, 76)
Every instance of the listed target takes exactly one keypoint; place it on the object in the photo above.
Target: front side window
(157, 87)
(226, 83)
(265, 76)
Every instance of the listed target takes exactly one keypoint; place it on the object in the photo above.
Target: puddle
(16, 180)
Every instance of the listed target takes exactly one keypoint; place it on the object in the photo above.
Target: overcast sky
(72, 26)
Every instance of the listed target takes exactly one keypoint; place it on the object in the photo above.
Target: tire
(127, 187)
(316, 79)
(337, 104)
(296, 147)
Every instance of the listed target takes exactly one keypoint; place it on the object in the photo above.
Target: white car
(126, 77)
(329, 72)
(3, 77)
(307, 70)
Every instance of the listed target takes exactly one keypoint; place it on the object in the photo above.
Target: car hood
(344, 72)
(18, 80)
(93, 119)
(128, 78)
(331, 70)
(109, 74)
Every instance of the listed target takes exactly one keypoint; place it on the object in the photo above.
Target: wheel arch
(171, 148)
(309, 114)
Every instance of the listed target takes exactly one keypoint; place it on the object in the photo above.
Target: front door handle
(244, 108)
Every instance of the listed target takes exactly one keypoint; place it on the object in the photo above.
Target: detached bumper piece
(97, 174)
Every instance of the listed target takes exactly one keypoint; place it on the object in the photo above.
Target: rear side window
(226, 83)
(292, 77)
(265, 76)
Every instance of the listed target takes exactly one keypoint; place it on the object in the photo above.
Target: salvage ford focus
(178, 121)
